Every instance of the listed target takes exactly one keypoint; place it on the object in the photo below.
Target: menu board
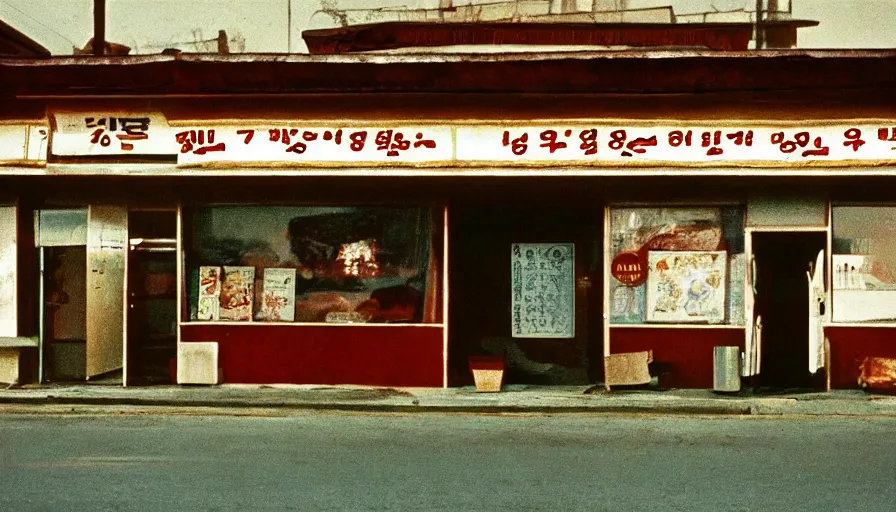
(543, 290)
(279, 292)
(237, 289)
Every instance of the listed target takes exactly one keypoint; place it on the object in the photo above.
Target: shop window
(677, 265)
(312, 264)
(7, 270)
(864, 263)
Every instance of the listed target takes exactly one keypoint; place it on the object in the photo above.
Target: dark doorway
(65, 314)
(480, 309)
(782, 299)
(152, 297)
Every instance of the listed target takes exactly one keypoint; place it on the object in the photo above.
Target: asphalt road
(445, 462)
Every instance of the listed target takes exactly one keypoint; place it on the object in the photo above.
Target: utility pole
(99, 27)
(760, 30)
(288, 26)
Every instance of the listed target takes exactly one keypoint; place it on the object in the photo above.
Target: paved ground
(347, 461)
(512, 399)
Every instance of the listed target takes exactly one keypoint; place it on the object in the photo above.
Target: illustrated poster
(279, 295)
(209, 293)
(543, 290)
(237, 288)
(686, 286)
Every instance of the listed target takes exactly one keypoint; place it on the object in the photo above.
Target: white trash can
(726, 369)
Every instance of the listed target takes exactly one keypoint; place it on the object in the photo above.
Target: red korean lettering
(784, 145)
(309, 136)
(617, 139)
(741, 138)
(853, 138)
(678, 137)
(100, 137)
(589, 141)
(199, 142)
(399, 143)
(519, 145)
(335, 137)
(713, 139)
(887, 134)
(247, 135)
(819, 149)
(550, 141)
(424, 143)
(637, 145)
(383, 140)
(358, 140)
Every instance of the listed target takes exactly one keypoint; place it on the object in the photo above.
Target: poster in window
(237, 288)
(279, 295)
(543, 290)
(686, 286)
(209, 293)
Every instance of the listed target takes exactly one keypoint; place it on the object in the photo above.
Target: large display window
(676, 265)
(864, 263)
(328, 264)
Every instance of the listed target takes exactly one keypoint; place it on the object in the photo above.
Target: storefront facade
(341, 236)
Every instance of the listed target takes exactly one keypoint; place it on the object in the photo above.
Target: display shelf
(304, 324)
(676, 326)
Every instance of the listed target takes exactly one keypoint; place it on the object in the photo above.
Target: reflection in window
(677, 265)
(864, 263)
(313, 264)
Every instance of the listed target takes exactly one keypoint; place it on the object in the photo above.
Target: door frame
(749, 304)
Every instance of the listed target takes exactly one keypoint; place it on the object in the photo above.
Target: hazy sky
(151, 25)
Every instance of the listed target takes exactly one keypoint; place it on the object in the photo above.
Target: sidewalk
(513, 399)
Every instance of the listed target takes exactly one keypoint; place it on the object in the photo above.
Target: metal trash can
(726, 369)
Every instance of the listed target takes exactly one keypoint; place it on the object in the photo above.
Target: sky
(148, 26)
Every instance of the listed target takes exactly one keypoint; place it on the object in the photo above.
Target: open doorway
(152, 297)
(782, 260)
(481, 292)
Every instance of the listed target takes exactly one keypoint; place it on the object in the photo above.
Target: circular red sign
(628, 268)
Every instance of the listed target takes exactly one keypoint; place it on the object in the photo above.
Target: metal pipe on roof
(99, 27)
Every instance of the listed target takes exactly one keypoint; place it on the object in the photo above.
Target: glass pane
(684, 264)
(61, 227)
(309, 264)
(7, 270)
(864, 263)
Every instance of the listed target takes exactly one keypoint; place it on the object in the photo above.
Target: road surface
(321, 461)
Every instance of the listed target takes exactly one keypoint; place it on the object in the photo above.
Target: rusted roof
(626, 72)
(392, 35)
(16, 44)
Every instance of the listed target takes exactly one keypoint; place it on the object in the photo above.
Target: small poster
(237, 288)
(209, 292)
(686, 286)
(543, 290)
(279, 295)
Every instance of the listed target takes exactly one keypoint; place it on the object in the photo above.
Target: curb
(684, 409)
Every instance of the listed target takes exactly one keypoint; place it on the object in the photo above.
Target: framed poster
(543, 290)
(686, 286)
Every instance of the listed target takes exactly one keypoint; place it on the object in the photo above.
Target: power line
(32, 18)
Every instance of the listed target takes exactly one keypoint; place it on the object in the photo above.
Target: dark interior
(782, 260)
(480, 306)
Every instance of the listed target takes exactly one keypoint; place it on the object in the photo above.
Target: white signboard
(405, 144)
(686, 286)
(23, 142)
(601, 143)
(686, 143)
(543, 290)
(111, 133)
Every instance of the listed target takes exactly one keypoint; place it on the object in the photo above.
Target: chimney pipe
(99, 27)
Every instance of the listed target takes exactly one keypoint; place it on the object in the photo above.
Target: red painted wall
(394, 355)
(849, 345)
(688, 352)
